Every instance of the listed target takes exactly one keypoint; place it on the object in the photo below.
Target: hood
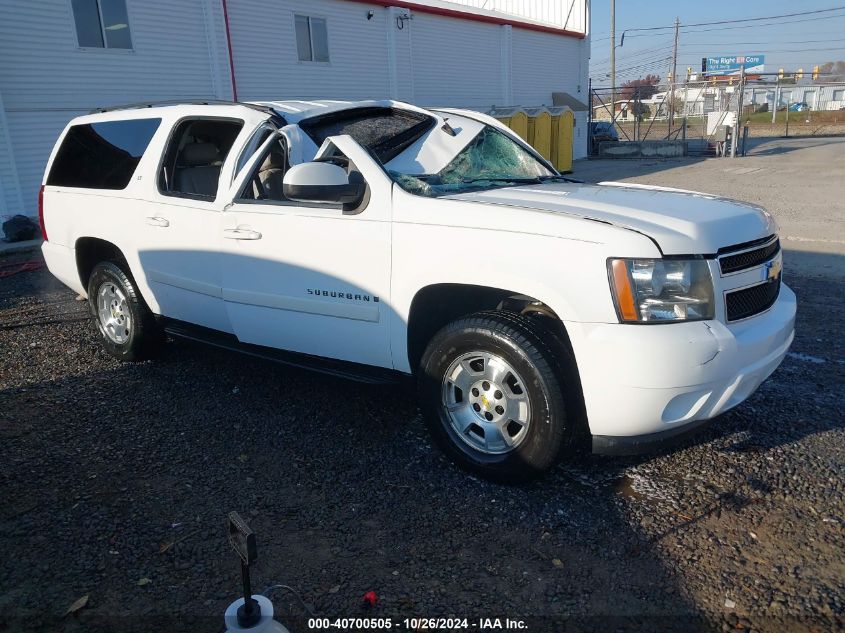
(681, 222)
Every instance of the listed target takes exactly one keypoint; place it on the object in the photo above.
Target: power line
(826, 41)
(734, 21)
(634, 72)
(652, 62)
(650, 57)
(829, 34)
(630, 58)
(787, 50)
(745, 26)
(630, 76)
(655, 62)
(638, 52)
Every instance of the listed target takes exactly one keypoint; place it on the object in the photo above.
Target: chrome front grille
(733, 263)
(750, 277)
(741, 304)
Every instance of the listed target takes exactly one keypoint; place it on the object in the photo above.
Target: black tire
(543, 366)
(144, 337)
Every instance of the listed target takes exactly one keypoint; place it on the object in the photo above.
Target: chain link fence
(785, 109)
(699, 118)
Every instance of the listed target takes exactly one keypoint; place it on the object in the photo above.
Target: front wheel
(491, 394)
(127, 327)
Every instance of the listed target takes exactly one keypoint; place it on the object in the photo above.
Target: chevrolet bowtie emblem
(772, 269)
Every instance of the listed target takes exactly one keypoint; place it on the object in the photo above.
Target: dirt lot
(115, 479)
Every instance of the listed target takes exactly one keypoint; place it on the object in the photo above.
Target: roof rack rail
(153, 104)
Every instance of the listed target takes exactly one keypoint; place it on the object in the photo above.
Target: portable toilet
(540, 131)
(563, 123)
(515, 118)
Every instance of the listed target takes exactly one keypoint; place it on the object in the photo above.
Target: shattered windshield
(491, 159)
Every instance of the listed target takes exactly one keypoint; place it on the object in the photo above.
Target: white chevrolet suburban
(375, 239)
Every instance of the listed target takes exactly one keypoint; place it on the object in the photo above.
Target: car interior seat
(198, 170)
(271, 175)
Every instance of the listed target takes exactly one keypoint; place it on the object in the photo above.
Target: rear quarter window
(102, 155)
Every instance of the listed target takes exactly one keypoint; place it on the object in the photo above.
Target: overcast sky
(790, 42)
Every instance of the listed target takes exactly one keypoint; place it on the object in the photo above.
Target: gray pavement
(801, 181)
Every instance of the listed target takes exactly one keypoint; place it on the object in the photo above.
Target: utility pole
(776, 101)
(674, 75)
(612, 59)
(738, 119)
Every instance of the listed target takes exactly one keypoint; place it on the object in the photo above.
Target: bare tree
(831, 72)
(644, 87)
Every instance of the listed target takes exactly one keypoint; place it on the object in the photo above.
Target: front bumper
(645, 384)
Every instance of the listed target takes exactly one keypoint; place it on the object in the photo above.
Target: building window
(312, 39)
(102, 23)
(839, 95)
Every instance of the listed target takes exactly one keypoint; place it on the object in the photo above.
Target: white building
(817, 96)
(62, 58)
(699, 99)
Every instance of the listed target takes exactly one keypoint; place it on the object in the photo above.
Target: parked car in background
(601, 131)
(378, 239)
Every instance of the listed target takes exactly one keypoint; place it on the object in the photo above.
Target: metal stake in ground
(242, 540)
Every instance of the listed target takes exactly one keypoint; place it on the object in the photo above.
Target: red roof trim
(477, 17)
(229, 50)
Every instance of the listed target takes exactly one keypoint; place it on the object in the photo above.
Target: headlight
(661, 290)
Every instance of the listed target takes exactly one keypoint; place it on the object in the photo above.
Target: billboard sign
(731, 65)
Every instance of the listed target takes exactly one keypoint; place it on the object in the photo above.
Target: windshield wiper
(559, 179)
(516, 181)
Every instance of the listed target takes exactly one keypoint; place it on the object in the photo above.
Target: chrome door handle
(157, 221)
(241, 234)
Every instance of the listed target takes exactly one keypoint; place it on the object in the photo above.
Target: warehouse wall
(569, 14)
(266, 61)
(430, 60)
(455, 62)
(46, 79)
(534, 54)
(180, 51)
(11, 201)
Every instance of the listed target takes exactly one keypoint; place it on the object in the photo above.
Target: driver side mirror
(323, 182)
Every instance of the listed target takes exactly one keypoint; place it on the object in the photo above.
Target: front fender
(445, 241)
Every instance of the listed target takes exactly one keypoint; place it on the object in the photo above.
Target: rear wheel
(127, 327)
(491, 394)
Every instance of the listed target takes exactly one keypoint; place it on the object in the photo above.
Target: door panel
(182, 263)
(311, 279)
(315, 282)
(178, 230)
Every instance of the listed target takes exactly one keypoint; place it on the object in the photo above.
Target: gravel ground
(116, 479)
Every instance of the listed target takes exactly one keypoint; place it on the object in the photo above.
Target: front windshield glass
(491, 159)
